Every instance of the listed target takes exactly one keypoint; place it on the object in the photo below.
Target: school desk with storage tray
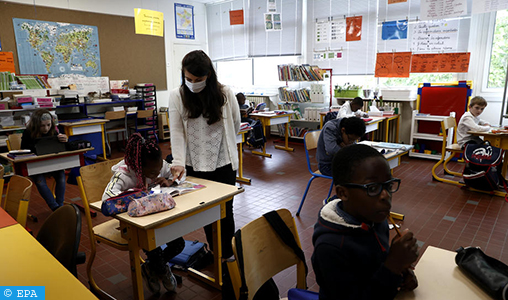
(39, 164)
(391, 151)
(192, 211)
(271, 118)
(91, 129)
(27, 263)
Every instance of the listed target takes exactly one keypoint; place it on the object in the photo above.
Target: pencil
(394, 225)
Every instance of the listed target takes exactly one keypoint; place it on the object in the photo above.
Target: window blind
(226, 41)
(358, 57)
(252, 39)
(287, 41)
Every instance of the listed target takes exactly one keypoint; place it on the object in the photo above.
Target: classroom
(104, 77)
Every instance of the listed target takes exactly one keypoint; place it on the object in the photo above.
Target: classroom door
(179, 51)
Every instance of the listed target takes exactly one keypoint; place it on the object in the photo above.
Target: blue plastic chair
(310, 141)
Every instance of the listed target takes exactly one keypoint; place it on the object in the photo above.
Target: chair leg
(108, 146)
(330, 191)
(305, 195)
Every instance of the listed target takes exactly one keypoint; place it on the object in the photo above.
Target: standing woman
(204, 120)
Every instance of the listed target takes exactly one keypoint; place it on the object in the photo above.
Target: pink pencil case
(150, 204)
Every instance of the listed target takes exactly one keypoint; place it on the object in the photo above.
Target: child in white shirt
(470, 121)
(352, 108)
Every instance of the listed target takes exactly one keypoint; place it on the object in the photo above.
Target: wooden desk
(440, 278)
(47, 163)
(192, 211)
(25, 262)
(273, 119)
(87, 127)
(393, 158)
(240, 139)
(6, 219)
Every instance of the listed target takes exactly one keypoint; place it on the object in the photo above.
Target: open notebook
(181, 188)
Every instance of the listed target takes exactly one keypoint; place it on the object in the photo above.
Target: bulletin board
(124, 54)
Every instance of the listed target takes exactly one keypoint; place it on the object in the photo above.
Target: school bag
(195, 255)
(483, 167)
(257, 137)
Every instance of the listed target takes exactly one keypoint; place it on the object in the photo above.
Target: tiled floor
(440, 214)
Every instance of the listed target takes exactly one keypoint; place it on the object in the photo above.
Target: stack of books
(19, 154)
(5, 79)
(34, 82)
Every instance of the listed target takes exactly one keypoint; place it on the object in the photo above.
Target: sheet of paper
(435, 36)
(442, 9)
(483, 6)
(7, 62)
(394, 30)
(353, 28)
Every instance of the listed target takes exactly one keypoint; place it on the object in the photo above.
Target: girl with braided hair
(143, 166)
(204, 119)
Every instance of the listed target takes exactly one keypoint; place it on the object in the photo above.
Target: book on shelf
(178, 189)
(303, 72)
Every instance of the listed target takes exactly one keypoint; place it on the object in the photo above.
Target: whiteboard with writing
(83, 84)
(442, 9)
(434, 36)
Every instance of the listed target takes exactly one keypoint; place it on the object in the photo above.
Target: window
(266, 73)
(237, 73)
(416, 78)
(497, 69)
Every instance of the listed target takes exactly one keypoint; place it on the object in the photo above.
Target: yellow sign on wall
(149, 22)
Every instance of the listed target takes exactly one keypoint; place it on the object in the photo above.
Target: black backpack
(257, 137)
(483, 167)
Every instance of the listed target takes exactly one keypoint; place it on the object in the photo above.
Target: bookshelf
(306, 102)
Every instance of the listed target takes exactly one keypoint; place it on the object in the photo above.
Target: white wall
(126, 8)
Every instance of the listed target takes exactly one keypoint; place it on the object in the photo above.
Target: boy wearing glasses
(337, 133)
(353, 258)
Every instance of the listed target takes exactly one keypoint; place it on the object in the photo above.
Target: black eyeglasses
(375, 188)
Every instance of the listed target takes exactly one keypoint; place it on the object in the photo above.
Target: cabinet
(148, 96)
(420, 138)
(163, 120)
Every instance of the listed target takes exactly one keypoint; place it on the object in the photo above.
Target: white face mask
(195, 87)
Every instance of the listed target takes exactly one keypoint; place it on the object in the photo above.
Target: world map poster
(57, 48)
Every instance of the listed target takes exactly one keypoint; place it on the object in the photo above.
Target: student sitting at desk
(141, 166)
(353, 258)
(470, 121)
(352, 108)
(337, 133)
(42, 124)
(245, 109)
